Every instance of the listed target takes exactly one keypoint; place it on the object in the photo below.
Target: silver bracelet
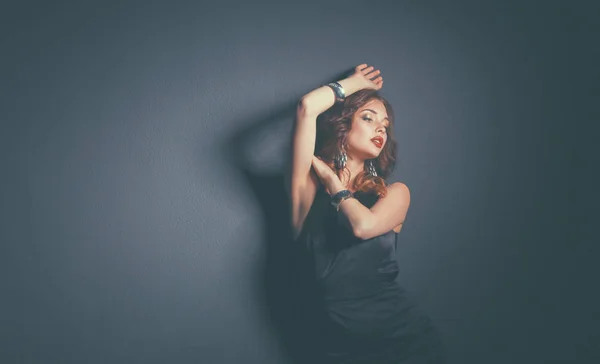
(337, 198)
(338, 90)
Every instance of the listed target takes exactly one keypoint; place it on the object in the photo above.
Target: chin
(370, 152)
(371, 155)
(375, 152)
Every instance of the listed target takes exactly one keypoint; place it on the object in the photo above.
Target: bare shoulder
(399, 192)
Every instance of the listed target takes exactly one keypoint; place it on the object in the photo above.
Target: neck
(355, 166)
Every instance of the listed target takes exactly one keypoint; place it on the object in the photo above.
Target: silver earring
(371, 169)
(340, 160)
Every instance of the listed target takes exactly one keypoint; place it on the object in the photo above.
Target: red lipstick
(378, 141)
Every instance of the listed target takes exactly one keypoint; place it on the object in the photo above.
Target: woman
(348, 219)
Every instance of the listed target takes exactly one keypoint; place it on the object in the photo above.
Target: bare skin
(308, 171)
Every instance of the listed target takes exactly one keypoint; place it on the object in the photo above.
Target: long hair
(332, 131)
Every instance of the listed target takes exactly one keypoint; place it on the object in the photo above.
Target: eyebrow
(375, 112)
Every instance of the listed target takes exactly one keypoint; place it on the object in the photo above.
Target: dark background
(141, 151)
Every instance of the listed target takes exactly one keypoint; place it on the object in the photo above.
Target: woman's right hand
(369, 76)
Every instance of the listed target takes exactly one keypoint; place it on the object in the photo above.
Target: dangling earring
(371, 169)
(340, 160)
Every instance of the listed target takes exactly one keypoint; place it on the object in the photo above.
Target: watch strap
(338, 90)
(337, 198)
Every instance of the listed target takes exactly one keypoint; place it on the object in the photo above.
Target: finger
(378, 79)
(367, 70)
(373, 74)
(360, 67)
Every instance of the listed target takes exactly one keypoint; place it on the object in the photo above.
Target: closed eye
(368, 119)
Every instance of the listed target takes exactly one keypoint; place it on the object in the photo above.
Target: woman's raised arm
(302, 184)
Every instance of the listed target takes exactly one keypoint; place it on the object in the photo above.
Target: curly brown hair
(332, 130)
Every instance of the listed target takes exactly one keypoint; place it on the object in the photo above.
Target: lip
(378, 141)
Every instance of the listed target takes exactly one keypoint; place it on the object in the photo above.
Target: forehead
(376, 106)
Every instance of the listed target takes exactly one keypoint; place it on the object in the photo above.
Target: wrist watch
(338, 90)
(337, 198)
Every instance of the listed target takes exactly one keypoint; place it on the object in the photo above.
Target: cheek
(354, 139)
(361, 131)
(359, 134)
(359, 140)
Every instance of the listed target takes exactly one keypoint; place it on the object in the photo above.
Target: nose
(380, 128)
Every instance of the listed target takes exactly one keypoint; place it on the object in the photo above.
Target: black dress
(363, 314)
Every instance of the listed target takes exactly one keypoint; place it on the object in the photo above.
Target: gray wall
(141, 150)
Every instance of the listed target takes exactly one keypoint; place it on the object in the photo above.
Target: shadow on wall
(290, 298)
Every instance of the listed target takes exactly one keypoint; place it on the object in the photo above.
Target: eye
(367, 118)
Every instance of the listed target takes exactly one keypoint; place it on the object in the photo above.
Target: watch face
(337, 198)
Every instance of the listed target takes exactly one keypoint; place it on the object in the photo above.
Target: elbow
(304, 108)
(302, 104)
(361, 231)
(357, 233)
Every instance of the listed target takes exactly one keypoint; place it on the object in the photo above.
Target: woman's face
(368, 134)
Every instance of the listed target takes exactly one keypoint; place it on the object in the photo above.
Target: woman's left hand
(327, 176)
